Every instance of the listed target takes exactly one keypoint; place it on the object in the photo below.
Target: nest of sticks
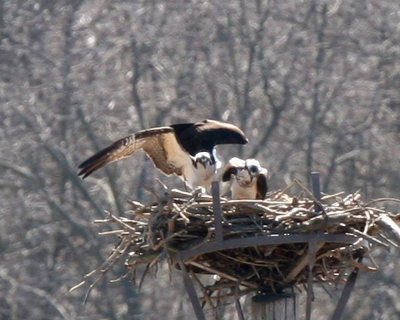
(179, 225)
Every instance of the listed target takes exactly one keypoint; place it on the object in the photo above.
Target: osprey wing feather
(262, 184)
(148, 140)
(185, 149)
(166, 153)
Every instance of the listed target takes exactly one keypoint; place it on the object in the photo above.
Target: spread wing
(262, 184)
(159, 144)
(206, 134)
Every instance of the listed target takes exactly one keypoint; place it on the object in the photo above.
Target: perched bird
(246, 179)
(186, 149)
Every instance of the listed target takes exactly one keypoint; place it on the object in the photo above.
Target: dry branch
(181, 224)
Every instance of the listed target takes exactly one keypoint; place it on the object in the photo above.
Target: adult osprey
(246, 179)
(185, 149)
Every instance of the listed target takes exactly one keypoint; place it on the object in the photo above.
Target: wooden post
(316, 188)
(217, 211)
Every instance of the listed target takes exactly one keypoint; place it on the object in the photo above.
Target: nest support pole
(344, 298)
(189, 286)
(239, 310)
(312, 245)
(218, 239)
(219, 236)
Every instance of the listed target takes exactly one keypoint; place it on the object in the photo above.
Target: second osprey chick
(246, 179)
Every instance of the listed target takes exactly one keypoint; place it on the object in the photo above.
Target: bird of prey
(185, 149)
(246, 179)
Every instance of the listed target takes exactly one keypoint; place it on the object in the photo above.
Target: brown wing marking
(227, 171)
(157, 149)
(226, 175)
(120, 149)
(231, 168)
(262, 185)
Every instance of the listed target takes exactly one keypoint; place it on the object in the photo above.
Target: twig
(183, 223)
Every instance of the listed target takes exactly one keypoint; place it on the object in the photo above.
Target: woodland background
(314, 85)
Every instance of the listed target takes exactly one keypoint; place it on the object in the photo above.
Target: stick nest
(181, 221)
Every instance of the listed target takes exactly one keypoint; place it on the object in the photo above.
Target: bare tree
(314, 85)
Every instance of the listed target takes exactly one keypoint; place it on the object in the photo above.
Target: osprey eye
(253, 169)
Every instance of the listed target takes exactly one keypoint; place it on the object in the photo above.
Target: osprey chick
(246, 179)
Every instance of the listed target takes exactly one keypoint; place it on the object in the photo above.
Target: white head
(203, 158)
(253, 167)
(245, 175)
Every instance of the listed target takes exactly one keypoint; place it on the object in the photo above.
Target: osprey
(185, 149)
(246, 179)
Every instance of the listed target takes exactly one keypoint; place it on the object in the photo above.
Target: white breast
(243, 187)
(200, 176)
(241, 192)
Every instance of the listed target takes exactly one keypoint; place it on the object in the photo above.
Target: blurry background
(314, 85)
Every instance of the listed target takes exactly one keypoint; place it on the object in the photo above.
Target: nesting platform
(261, 247)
